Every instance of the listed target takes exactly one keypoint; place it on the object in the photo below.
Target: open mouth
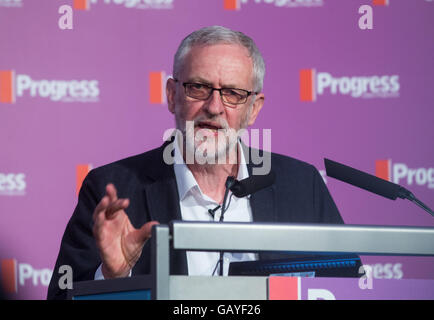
(208, 125)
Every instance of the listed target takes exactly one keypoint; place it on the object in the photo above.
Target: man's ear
(257, 106)
(170, 94)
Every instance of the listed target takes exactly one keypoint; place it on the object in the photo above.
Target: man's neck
(211, 178)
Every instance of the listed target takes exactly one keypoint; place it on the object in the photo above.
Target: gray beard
(220, 150)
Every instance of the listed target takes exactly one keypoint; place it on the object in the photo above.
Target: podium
(257, 237)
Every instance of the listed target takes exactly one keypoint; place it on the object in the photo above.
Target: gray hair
(216, 35)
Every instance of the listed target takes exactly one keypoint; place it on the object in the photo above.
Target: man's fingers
(110, 203)
(106, 210)
(110, 196)
(115, 207)
(111, 192)
(102, 205)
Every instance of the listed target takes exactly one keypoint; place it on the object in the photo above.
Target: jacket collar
(163, 197)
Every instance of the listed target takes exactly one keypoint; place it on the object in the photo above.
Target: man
(216, 89)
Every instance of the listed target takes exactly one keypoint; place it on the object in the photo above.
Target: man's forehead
(218, 49)
(232, 60)
(198, 79)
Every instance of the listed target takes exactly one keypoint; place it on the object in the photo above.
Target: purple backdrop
(82, 96)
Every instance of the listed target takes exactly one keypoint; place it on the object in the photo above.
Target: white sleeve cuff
(100, 276)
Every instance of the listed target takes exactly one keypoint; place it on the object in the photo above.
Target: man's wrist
(110, 275)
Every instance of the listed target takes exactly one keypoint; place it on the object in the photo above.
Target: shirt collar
(185, 179)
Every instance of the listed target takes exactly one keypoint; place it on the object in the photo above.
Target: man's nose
(214, 105)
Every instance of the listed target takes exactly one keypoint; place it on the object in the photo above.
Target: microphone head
(230, 181)
(363, 180)
(252, 184)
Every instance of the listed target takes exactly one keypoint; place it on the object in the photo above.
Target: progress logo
(314, 84)
(14, 86)
(130, 4)
(15, 275)
(401, 173)
(237, 4)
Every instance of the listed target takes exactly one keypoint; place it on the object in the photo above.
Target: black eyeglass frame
(229, 104)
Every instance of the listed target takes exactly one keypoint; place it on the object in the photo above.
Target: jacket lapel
(163, 200)
(163, 204)
(262, 202)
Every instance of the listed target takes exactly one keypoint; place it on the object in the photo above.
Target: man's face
(218, 66)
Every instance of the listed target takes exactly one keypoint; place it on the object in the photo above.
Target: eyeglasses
(230, 96)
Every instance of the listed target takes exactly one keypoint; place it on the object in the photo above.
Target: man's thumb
(146, 230)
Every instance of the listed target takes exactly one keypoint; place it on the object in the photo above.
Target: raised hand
(119, 243)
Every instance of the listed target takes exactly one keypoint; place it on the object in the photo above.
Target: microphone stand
(405, 194)
(230, 181)
(240, 189)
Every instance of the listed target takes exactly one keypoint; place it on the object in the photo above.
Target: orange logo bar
(231, 4)
(380, 2)
(9, 275)
(81, 172)
(382, 169)
(7, 86)
(307, 85)
(81, 4)
(156, 94)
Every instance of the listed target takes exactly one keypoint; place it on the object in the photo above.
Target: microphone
(252, 184)
(241, 189)
(371, 183)
(230, 181)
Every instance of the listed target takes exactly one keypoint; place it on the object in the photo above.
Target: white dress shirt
(194, 207)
